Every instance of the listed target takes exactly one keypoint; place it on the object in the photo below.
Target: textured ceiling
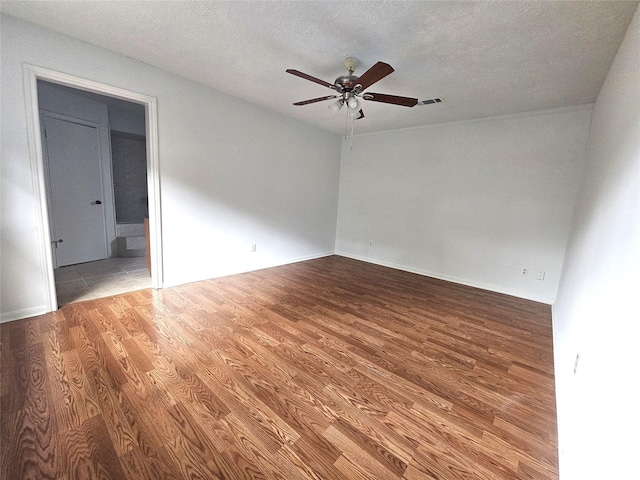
(481, 58)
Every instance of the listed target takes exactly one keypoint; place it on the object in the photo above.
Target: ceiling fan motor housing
(346, 83)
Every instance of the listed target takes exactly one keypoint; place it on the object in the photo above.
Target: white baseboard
(40, 310)
(291, 260)
(24, 313)
(308, 257)
(448, 278)
(254, 268)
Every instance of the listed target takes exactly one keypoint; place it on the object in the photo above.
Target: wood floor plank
(87, 452)
(123, 436)
(29, 440)
(325, 369)
(139, 464)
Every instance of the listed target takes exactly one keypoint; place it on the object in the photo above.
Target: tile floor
(103, 278)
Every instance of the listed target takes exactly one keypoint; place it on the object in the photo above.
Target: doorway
(46, 234)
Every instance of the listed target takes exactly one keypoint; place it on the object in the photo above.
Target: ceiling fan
(350, 88)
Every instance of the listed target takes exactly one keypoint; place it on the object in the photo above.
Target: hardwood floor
(326, 369)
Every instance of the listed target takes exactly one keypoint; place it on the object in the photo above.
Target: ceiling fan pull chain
(353, 124)
(346, 124)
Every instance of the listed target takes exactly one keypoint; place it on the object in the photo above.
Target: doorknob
(98, 202)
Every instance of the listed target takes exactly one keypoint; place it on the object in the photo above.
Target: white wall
(232, 174)
(64, 102)
(597, 312)
(472, 202)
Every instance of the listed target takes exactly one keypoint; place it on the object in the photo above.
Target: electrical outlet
(524, 272)
(371, 243)
(540, 275)
(254, 247)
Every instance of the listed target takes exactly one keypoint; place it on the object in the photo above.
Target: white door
(75, 192)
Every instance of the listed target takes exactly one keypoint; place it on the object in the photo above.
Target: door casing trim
(31, 75)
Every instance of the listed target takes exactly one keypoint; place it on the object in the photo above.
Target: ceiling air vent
(429, 101)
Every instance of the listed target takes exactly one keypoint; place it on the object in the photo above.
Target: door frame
(34, 73)
(47, 170)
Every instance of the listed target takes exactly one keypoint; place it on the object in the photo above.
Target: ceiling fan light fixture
(336, 106)
(354, 104)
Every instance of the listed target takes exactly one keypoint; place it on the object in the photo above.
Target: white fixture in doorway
(31, 76)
